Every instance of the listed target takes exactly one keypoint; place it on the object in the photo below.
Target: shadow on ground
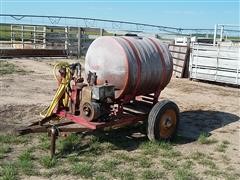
(192, 124)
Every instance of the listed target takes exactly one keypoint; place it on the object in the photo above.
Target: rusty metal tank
(135, 65)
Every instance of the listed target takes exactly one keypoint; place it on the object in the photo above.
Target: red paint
(121, 120)
(76, 119)
(136, 54)
(163, 78)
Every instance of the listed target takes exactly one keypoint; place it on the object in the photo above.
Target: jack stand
(54, 134)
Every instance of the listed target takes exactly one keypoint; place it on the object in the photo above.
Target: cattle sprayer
(123, 79)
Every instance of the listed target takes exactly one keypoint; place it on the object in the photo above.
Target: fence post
(79, 42)
(66, 38)
(44, 37)
(215, 35)
(11, 35)
(22, 36)
(101, 32)
(34, 37)
(221, 33)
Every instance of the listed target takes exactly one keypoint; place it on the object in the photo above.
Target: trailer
(124, 77)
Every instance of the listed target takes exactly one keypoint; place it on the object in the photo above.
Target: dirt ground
(213, 109)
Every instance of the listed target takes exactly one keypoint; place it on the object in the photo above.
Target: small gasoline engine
(85, 99)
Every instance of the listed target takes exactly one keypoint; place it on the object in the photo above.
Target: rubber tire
(153, 130)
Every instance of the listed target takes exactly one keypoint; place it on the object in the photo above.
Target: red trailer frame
(55, 127)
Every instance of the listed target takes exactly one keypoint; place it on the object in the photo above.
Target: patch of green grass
(100, 177)
(11, 139)
(168, 164)
(182, 173)
(213, 172)
(48, 174)
(73, 159)
(144, 162)
(85, 170)
(222, 147)
(48, 162)
(125, 157)
(208, 162)
(188, 164)
(107, 147)
(4, 149)
(165, 146)
(162, 148)
(5, 32)
(231, 176)
(61, 171)
(152, 174)
(95, 146)
(26, 167)
(203, 159)
(203, 139)
(230, 168)
(25, 163)
(109, 165)
(226, 142)
(149, 147)
(198, 155)
(87, 158)
(8, 172)
(152, 148)
(44, 142)
(10, 68)
(70, 144)
(26, 155)
(171, 153)
(124, 174)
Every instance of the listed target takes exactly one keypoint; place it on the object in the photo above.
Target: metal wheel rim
(88, 107)
(168, 123)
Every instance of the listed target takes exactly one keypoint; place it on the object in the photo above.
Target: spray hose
(61, 91)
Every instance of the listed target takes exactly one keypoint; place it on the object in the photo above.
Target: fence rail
(74, 40)
(215, 63)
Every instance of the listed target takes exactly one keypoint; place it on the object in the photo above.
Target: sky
(174, 13)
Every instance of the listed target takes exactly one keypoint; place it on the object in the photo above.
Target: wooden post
(79, 42)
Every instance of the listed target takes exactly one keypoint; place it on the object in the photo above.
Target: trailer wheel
(163, 121)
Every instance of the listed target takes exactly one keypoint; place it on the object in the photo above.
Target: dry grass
(10, 68)
(92, 157)
(204, 139)
(120, 153)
